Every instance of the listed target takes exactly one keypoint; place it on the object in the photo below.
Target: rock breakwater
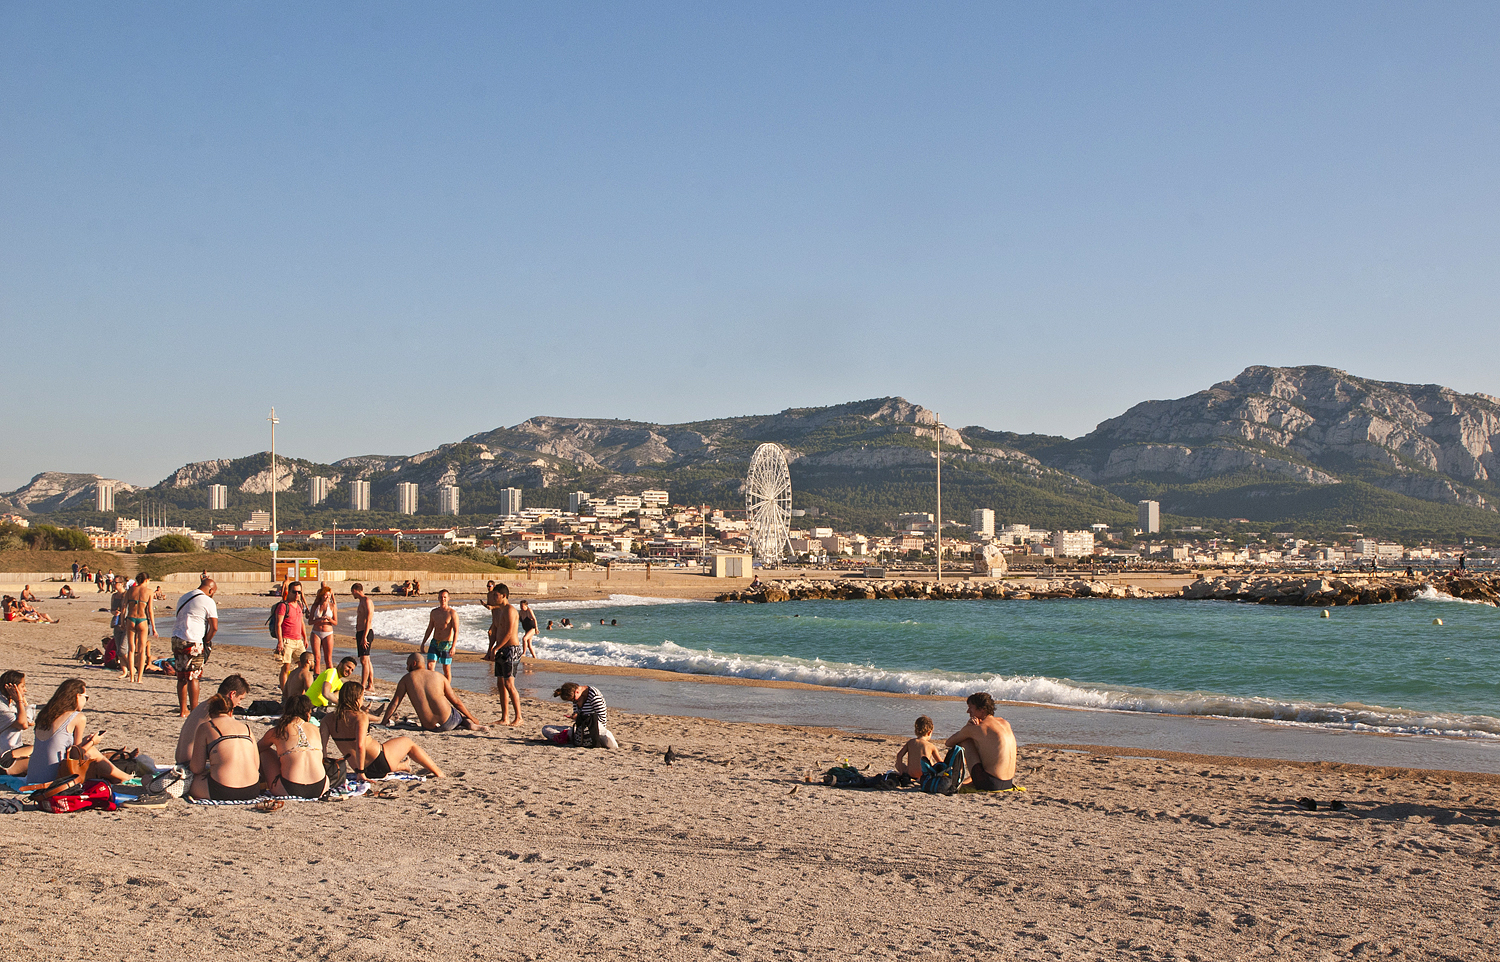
(849, 590)
(1315, 591)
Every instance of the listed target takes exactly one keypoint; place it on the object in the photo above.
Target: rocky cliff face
(1311, 424)
(57, 491)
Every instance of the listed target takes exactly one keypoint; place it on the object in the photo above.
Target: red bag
(95, 794)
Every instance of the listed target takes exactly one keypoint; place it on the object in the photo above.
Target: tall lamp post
(275, 547)
(939, 500)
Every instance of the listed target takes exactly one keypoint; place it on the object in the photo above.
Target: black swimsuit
(224, 793)
(378, 767)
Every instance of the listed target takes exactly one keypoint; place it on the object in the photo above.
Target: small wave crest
(1036, 690)
(1430, 593)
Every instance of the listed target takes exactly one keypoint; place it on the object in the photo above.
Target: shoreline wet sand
(543, 853)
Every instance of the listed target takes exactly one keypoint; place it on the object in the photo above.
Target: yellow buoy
(1325, 612)
(1437, 621)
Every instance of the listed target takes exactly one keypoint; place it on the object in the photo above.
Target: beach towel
(351, 788)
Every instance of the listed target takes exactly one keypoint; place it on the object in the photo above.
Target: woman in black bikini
(291, 756)
(221, 747)
(349, 728)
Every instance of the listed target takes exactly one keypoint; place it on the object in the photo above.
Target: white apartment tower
(1073, 544)
(510, 501)
(406, 498)
(655, 499)
(447, 499)
(577, 499)
(359, 495)
(1150, 520)
(317, 491)
(218, 497)
(104, 495)
(982, 523)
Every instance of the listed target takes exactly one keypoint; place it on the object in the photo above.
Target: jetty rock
(898, 589)
(1325, 592)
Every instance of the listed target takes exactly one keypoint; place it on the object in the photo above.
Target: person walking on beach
(527, 620)
(289, 626)
(364, 635)
(140, 626)
(989, 745)
(442, 628)
(192, 633)
(438, 707)
(505, 649)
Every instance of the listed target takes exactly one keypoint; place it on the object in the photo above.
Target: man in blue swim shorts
(442, 628)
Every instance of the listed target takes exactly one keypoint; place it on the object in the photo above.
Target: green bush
(373, 542)
(45, 537)
(507, 563)
(172, 544)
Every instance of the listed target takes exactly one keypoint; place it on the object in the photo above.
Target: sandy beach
(536, 852)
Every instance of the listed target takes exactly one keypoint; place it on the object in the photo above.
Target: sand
(538, 852)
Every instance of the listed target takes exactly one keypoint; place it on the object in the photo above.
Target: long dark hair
(297, 708)
(64, 700)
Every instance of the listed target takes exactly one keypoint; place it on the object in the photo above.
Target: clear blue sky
(404, 223)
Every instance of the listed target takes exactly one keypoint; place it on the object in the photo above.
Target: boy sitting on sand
(909, 758)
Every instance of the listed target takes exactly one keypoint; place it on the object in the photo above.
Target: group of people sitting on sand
(21, 609)
(227, 762)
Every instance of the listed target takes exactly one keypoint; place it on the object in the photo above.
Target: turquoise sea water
(1374, 668)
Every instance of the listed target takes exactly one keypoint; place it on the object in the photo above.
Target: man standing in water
(139, 618)
(505, 649)
(442, 628)
(988, 744)
(364, 635)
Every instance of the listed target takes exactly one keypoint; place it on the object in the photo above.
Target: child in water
(909, 758)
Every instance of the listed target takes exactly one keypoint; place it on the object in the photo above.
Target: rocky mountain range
(1272, 444)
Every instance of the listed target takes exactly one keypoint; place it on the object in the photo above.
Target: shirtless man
(138, 618)
(364, 635)
(437, 705)
(442, 628)
(988, 744)
(505, 649)
(301, 678)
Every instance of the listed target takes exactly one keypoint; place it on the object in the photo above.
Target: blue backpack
(944, 777)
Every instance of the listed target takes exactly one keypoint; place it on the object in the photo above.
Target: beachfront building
(982, 522)
(104, 495)
(577, 500)
(218, 497)
(1150, 516)
(406, 498)
(258, 521)
(1072, 544)
(510, 501)
(317, 491)
(447, 499)
(126, 525)
(359, 495)
(654, 499)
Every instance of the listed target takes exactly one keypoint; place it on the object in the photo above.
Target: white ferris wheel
(768, 504)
